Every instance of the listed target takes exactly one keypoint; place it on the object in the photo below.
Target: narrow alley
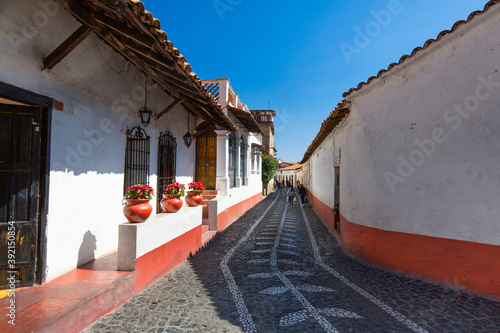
(279, 269)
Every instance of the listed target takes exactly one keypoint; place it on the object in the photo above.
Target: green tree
(269, 164)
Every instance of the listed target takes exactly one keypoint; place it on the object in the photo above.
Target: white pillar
(238, 161)
(248, 155)
(222, 181)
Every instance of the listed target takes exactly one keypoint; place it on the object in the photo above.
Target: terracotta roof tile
(291, 167)
(328, 125)
(133, 16)
(246, 119)
(428, 43)
(341, 110)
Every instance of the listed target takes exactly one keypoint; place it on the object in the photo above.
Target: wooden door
(336, 206)
(19, 192)
(206, 159)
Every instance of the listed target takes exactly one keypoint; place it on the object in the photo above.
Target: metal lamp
(145, 115)
(188, 137)
(145, 112)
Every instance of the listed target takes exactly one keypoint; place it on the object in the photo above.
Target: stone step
(207, 237)
(205, 211)
(210, 192)
(72, 301)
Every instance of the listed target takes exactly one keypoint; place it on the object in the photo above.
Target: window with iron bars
(136, 158)
(167, 155)
(243, 162)
(232, 160)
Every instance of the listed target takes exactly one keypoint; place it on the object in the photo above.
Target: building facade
(265, 118)
(404, 168)
(74, 76)
(238, 172)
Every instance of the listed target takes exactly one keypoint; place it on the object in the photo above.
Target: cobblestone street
(278, 269)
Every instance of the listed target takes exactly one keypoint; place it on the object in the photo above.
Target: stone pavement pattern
(278, 269)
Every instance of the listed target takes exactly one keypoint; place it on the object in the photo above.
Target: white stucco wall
(296, 174)
(238, 194)
(320, 166)
(101, 94)
(421, 145)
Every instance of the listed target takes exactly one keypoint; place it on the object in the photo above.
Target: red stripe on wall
(469, 265)
(228, 216)
(161, 260)
(323, 210)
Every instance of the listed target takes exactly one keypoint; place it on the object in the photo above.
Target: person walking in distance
(302, 193)
(291, 196)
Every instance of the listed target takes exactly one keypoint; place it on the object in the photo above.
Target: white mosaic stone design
(264, 243)
(270, 275)
(289, 262)
(300, 316)
(261, 275)
(258, 261)
(261, 251)
(245, 317)
(289, 286)
(274, 291)
(290, 246)
(306, 288)
(317, 257)
(297, 273)
(289, 252)
(264, 238)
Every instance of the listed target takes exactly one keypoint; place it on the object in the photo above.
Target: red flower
(175, 188)
(139, 191)
(196, 186)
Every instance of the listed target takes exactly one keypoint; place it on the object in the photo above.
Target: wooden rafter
(129, 36)
(66, 47)
(169, 107)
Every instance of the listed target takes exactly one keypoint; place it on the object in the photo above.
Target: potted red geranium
(137, 208)
(171, 202)
(195, 189)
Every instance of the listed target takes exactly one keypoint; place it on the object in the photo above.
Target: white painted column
(238, 160)
(222, 181)
(248, 161)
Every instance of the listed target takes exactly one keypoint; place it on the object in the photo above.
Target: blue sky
(300, 56)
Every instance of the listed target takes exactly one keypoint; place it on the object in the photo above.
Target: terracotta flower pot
(137, 210)
(194, 198)
(171, 203)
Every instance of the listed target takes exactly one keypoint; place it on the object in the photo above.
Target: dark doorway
(20, 175)
(336, 205)
(206, 159)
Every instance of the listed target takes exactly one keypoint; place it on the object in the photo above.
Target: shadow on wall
(87, 250)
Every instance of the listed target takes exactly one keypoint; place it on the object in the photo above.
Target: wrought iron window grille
(167, 157)
(137, 155)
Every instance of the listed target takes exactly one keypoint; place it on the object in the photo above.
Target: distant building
(291, 173)
(265, 120)
(282, 164)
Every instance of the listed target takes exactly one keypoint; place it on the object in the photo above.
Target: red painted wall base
(161, 260)
(228, 216)
(469, 265)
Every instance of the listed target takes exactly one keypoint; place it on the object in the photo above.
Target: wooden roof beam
(66, 47)
(102, 20)
(169, 107)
